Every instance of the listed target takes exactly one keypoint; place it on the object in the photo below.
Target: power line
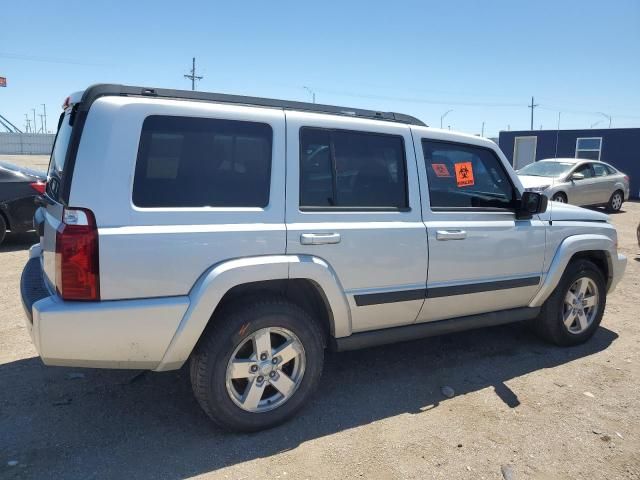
(192, 76)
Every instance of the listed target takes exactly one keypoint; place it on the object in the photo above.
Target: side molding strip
(436, 292)
(431, 329)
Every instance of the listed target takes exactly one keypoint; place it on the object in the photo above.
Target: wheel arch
(600, 249)
(308, 281)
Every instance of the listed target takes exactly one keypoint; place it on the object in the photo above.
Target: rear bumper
(109, 334)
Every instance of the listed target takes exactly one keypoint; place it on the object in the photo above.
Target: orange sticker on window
(464, 174)
(440, 169)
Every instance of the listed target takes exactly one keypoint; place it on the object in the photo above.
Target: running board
(431, 329)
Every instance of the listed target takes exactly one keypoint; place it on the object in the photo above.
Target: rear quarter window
(202, 162)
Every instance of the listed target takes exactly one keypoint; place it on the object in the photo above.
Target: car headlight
(539, 189)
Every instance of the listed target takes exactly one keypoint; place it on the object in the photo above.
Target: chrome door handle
(451, 235)
(319, 238)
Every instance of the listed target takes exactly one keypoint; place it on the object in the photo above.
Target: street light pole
(608, 117)
(444, 115)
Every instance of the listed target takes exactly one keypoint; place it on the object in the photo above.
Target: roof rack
(101, 90)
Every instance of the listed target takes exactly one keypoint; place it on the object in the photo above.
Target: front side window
(589, 148)
(340, 168)
(585, 170)
(465, 176)
(202, 162)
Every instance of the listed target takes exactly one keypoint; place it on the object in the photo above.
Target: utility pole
(45, 117)
(27, 127)
(532, 106)
(34, 120)
(41, 123)
(313, 94)
(482, 134)
(192, 76)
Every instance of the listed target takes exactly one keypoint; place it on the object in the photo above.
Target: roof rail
(101, 90)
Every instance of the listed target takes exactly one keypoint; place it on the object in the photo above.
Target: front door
(481, 258)
(583, 191)
(353, 201)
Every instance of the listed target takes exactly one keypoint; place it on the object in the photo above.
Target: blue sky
(482, 59)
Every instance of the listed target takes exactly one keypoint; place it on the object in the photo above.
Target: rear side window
(357, 170)
(465, 176)
(202, 162)
(600, 170)
(58, 155)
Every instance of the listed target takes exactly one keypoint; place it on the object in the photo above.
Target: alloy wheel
(265, 370)
(580, 305)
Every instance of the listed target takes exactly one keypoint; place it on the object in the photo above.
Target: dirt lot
(534, 410)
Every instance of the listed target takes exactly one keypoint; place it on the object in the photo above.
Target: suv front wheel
(258, 364)
(573, 312)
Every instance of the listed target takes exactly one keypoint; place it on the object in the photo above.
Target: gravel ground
(520, 406)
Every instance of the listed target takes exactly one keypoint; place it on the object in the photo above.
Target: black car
(18, 188)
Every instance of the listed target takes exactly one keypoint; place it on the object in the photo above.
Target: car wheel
(559, 197)
(257, 365)
(572, 313)
(615, 202)
(3, 229)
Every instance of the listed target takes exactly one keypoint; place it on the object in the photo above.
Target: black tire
(229, 329)
(616, 201)
(3, 229)
(549, 324)
(560, 197)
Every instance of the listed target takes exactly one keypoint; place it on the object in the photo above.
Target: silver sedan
(577, 181)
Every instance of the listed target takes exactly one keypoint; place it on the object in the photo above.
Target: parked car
(577, 181)
(246, 235)
(18, 188)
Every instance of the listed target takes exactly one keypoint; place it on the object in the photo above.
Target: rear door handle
(451, 235)
(319, 238)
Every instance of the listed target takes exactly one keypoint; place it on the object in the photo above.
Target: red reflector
(38, 187)
(77, 269)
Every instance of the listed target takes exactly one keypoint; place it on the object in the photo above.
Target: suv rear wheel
(257, 365)
(573, 312)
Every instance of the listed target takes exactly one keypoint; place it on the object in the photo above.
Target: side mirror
(531, 204)
(577, 176)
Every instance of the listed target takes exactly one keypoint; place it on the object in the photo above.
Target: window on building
(589, 148)
(340, 168)
(202, 162)
(464, 176)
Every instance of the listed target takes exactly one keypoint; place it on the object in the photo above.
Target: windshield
(546, 169)
(58, 154)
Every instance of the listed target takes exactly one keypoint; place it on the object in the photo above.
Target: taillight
(626, 178)
(38, 187)
(77, 269)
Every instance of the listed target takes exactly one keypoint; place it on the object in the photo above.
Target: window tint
(585, 169)
(463, 176)
(199, 162)
(610, 169)
(600, 170)
(340, 168)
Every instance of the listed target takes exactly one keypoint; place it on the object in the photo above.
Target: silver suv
(246, 235)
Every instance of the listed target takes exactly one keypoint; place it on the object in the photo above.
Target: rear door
(353, 200)
(481, 257)
(604, 183)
